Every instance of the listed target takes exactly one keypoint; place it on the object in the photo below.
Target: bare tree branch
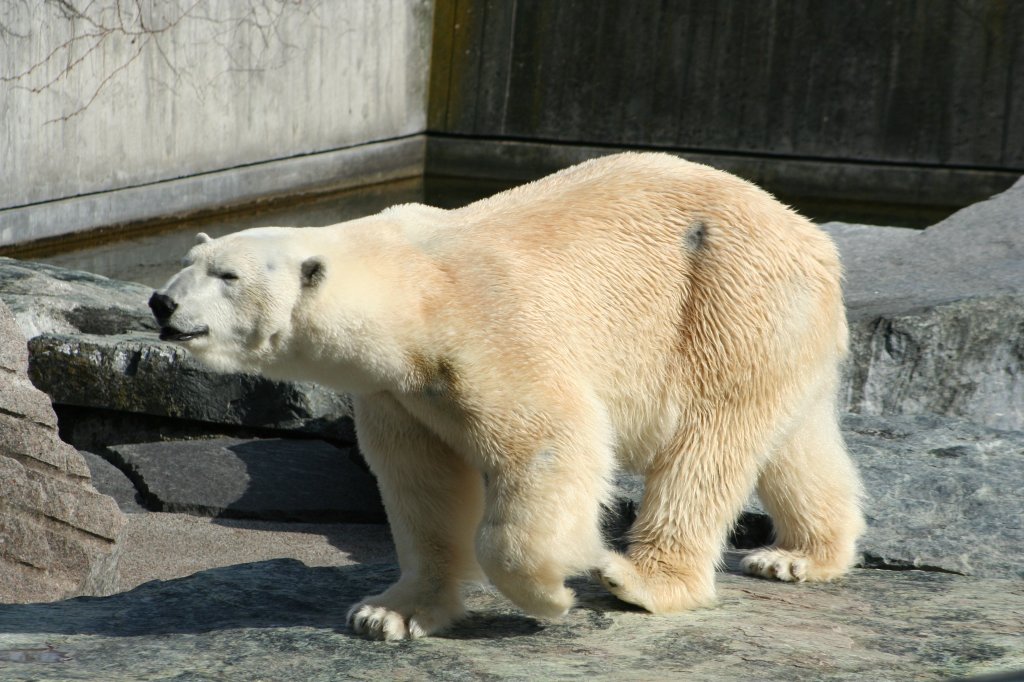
(98, 30)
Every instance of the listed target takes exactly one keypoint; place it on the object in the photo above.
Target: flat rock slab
(284, 620)
(136, 373)
(272, 479)
(50, 299)
(111, 481)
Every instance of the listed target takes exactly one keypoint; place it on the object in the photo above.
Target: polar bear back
(653, 250)
(655, 283)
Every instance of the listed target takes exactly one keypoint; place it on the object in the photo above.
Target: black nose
(162, 306)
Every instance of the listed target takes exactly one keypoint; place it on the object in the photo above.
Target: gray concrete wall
(804, 96)
(123, 111)
(120, 111)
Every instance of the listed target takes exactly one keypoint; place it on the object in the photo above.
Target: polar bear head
(232, 303)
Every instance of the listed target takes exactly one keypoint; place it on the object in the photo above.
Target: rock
(111, 481)
(937, 316)
(283, 620)
(942, 494)
(978, 252)
(964, 358)
(51, 300)
(132, 373)
(271, 479)
(58, 536)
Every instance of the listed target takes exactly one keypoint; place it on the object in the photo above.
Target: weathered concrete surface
(735, 77)
(288, 83)
(59, 537)
(271, 479)
(284, 620)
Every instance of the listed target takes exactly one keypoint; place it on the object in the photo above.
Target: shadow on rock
(280, 593)
(267, 594)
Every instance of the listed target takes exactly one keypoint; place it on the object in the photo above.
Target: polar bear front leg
(434, 502)
(542, 523)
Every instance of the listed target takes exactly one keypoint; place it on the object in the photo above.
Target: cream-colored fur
(636, 311)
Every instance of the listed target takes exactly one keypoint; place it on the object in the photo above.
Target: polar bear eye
(228, 276)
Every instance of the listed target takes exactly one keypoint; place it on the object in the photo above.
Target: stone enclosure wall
(115, 112)
(119, 111)
(913, 101)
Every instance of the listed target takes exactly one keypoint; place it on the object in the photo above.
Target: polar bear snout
(163, 306)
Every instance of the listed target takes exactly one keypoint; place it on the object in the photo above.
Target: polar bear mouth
(175, 334)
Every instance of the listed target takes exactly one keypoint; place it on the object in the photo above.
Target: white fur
(636, 310)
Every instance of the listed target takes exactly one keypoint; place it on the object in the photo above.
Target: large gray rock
(963, 358)
(937, 316)
(271, 479)
(50, 300)
(942, 494)
(283, 620)
(977, 252)
(133, 373)
(58, 536)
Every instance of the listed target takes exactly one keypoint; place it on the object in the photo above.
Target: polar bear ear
(203, 238)
(313, 272)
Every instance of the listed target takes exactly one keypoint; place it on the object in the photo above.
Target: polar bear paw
(653, 588)
(391, 623)
(777, 564)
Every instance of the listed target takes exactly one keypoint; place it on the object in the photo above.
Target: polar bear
(634, 311)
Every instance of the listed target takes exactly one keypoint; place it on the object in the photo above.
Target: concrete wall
(919, 99)
(114, 113)
(129, 110)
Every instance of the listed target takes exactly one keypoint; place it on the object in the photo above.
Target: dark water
(151, 253)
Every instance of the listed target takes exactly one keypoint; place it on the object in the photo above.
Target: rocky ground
(250, 523)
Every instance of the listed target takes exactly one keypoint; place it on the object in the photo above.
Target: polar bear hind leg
(693, 493)
(434, 502)
(812, 492)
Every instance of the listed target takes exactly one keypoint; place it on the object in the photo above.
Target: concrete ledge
(313, 173)
(514, 161)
